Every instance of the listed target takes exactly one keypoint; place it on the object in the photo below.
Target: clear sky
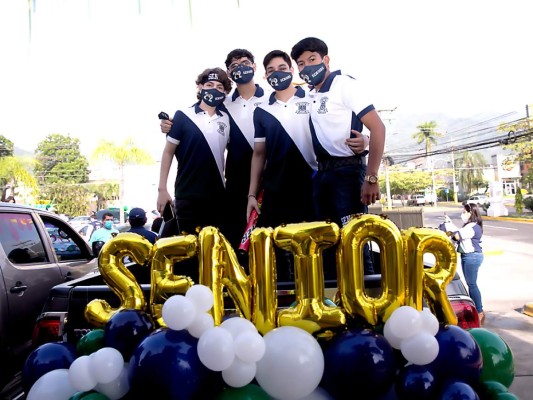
(105, 68)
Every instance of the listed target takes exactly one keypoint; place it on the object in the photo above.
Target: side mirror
(97, 246)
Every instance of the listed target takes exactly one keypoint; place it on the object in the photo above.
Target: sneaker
(481, 318)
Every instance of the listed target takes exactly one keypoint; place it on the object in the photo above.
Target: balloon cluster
(413, 332)
(414, 357)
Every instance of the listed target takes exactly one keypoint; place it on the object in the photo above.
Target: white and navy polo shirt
(336, 109)
(201, 141)
(284, 127)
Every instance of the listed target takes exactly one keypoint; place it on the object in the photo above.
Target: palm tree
(470, 170)
(13, 172)
(427, 135)
(125, 154)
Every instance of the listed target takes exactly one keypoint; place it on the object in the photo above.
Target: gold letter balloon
(404, 279)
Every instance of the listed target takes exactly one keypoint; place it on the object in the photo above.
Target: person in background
(344, 184)
(241, 68)
(468, 240)
(106, 232)
(283, 160)
(137, 219)
(156, 225)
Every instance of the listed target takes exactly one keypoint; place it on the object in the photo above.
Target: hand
(166, 125)
(359, 143)
(163, 198)
(370, 193)
(252, 205)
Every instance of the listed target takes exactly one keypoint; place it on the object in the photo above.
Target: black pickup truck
(38, 250)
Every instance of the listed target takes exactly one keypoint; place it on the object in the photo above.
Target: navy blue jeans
(337, 196)
(470, 263)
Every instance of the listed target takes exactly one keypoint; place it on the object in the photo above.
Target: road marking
(500, 227)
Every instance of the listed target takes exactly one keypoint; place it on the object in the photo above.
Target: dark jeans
(337, 196)
(470, 262)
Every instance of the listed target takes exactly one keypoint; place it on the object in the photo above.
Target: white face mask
(465, 217)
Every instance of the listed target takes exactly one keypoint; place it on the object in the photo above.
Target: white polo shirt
(336, 109)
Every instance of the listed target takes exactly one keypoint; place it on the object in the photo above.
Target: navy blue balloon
(126, 329)
(46, 358)
(360, 362)
(166, 366)
(459, 355)
(457, 390)
(415, 382)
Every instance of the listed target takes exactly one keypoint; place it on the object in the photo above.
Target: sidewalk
(506, 286)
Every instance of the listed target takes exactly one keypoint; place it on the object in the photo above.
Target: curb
(511, 219)
(496, 252)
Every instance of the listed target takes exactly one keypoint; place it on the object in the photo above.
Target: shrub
(519, 202)
(528, 203)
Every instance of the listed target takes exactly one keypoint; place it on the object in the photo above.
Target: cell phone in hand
(168, 212)
(163, 115)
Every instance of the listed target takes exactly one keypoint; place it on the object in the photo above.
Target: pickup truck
(38, 250)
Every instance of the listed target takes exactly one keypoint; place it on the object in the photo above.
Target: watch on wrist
(372, 179)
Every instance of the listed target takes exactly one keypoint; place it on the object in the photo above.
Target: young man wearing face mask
(340, 108)
(283, 160)
(106, 232)
(240, 105)
(198, 140)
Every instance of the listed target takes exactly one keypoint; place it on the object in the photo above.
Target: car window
(20, 239)
(65, 246)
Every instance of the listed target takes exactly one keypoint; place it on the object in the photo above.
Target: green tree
(104, 192)
(122, 155)
(6, 147)
(405, 183)
(470, 166)
(427, 134)
(59, 161)
(69, 199)
(519, 139)
(519, 201)
(15, 171)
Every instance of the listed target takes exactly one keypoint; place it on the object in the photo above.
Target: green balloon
(77, 396)
(489, 389)
(505, 396)
(90, 395)
(90, 342)
(498, 362)
(248, 392)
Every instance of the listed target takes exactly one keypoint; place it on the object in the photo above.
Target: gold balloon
(307, 241)
(220, 268)
(262, 262)
(118, 277)
(432, 281)
(350, 270)
(166, 252)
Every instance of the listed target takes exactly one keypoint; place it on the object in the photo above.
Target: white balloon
(202, 322)
(293, 363)
(236, 325)
(393, 340)
(201, 296)
(430, 323)
(215, 349)
(106, 364)
(420, 349)
(318, 394)
(404, 322)
(239, 373)
(178, 312)
(79, 374)
(249, 346)
(54, 385)
(117, 388)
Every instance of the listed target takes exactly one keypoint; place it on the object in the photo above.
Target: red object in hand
(252, 221)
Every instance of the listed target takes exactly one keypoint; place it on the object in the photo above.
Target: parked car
(417, 200)
(79, 221)
(479, 200)
(38, 250)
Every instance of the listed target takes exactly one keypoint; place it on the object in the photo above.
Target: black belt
(328, 163)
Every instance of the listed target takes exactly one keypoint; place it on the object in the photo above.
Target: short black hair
(224, 79)
(311, 44)
(238, 53)
(274, 54)
(107, 214)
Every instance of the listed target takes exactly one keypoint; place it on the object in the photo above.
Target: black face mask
(313, 74)
(280, 80)
(242, 74)
(212, 97)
